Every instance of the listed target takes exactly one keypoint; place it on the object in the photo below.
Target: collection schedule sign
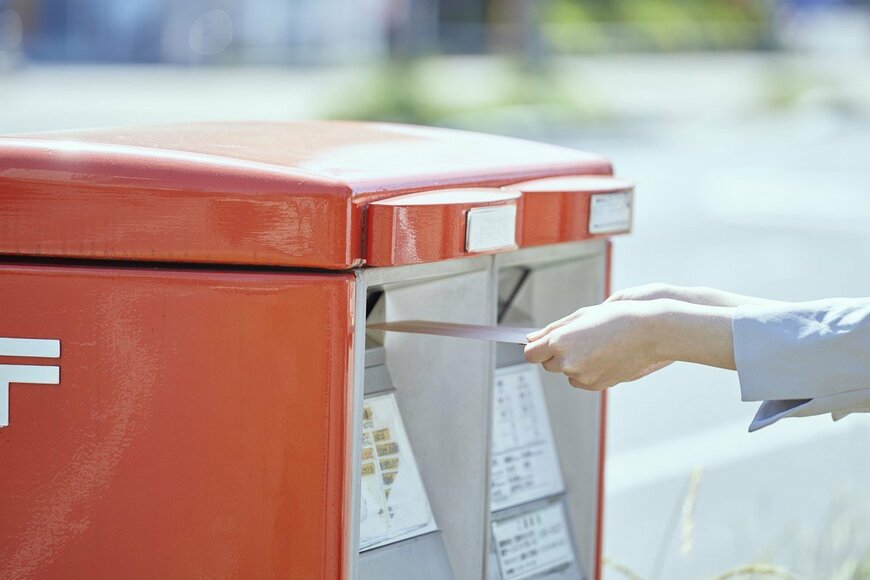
(525, 466)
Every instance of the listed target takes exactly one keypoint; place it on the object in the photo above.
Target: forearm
(691, 294)
(713, 297)
(694, 333)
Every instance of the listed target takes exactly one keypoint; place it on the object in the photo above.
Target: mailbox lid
(574, 207)
(283, 194)
(442, 224)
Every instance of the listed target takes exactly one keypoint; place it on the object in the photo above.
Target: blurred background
(746, 124)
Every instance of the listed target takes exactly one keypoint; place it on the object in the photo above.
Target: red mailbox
(187, 384)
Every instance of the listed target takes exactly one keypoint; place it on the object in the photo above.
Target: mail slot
(193, 382)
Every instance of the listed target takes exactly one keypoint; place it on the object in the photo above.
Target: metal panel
(377, 380)
(549, 255)
(443, 394)
(197, 430)
(564, 278)
(421, 558)
(442, 406)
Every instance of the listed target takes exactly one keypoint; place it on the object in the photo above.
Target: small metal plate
(491, 228)
(610, 212)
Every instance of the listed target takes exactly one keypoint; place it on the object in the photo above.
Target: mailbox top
(282, 194)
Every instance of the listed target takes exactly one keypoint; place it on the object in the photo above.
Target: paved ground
(733, 192)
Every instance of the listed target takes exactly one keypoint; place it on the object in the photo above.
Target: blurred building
(194, 31)
(346, 31)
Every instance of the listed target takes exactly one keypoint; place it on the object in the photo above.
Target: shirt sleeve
(804, 358)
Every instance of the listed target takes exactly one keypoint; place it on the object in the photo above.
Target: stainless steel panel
(444, 388)
(444, 397)
(563, 279)
(421, 558)
(443, 393)
(377, 380)
(375, 355)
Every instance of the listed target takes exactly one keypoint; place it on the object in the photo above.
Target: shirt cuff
(802, 350)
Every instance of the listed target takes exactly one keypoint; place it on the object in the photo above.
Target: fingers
(577, 384)
(539, 334)
(595, 387)
(538, 352)
(554, 365)
(557, 365)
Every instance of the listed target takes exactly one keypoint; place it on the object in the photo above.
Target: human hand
(599, 346)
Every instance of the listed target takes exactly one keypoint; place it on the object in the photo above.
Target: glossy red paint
(556, 210)
(428, 226)
(602, 432)
(284, 194)
(198, 431)
(201, 425)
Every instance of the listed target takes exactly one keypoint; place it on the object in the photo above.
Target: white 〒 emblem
(31, 374)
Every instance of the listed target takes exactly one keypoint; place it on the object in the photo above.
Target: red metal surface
(602, 432)
(198, 430)
(556, 209)
(601, 496)
(288, 194)
(427, 226)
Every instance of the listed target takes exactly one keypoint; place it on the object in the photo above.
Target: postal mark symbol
(28, 374)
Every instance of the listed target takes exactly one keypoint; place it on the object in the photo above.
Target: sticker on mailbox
(491, 228)
(393, 502)
(610, 212)
(532, 542)
(525, 465)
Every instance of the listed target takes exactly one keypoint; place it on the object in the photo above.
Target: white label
(610, 212)
(525, 465)
(491, 228)
(26, 374)
(30, 347)
(533, 542)
(393, 502)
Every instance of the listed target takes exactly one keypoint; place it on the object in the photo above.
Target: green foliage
(862, 571)
(596, 25)
(389, 95)
(500, 94)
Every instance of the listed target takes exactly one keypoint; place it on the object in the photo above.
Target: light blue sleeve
(804, 358)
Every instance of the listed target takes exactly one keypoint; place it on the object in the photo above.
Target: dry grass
(838, 553)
